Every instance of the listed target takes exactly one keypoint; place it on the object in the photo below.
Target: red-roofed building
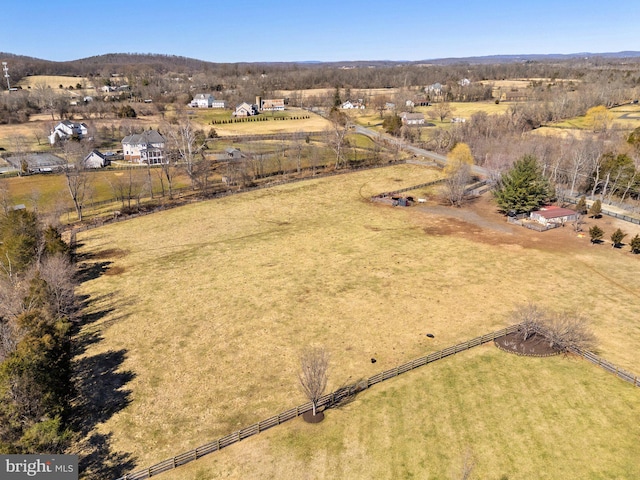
(553, 214)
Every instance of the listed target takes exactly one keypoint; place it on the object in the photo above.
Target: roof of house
(148, 136)
(553, 211)
(97, 153)
(203, 96)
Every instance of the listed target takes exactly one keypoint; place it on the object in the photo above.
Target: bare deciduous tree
(314, 363)
(456, 183)
(530, 318)
(58, 272)
(77, 175)
(566, 331)
(563, 331)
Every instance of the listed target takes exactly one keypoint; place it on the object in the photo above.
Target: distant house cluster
(206, 100)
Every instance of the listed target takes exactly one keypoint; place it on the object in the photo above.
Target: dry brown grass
(53, 81)
(216, 300)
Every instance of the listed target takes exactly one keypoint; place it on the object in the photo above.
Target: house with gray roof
(146, 147)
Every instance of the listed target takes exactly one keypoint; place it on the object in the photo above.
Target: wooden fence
(609, 367)
(326, 401)
(342, 394)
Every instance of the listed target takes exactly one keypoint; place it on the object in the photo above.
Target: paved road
(440, 160)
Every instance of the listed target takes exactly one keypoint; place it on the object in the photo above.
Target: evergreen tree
(596, 209)
(20, 237)
(392, 124)
(635, 244)
(617, 237)
(581, 206)
(523, 188)
(596, 234)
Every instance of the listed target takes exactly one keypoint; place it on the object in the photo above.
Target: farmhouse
(553, 215)
(412, 118)
(67, 129)
(245, 110)
(146, 147)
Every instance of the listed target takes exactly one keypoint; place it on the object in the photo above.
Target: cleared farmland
(209, 305)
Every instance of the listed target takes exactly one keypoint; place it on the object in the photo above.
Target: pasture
(511, 417)
(210, 305)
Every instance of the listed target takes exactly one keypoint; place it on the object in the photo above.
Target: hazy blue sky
(331, 30)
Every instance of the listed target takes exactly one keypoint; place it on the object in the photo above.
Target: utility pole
(5, 69)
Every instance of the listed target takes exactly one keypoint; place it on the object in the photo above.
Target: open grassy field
(210, 305)
(54, 81)
(514, 417)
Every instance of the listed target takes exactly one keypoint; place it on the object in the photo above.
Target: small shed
(554, 215)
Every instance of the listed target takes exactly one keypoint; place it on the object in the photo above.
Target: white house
(206, 100)
(67, 129)
(146, 147)
(202, 100)
(96, 160)
(434, 89)
(348, 105)
(412, 118)
(245, 110)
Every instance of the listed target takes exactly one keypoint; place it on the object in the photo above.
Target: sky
(308, 30)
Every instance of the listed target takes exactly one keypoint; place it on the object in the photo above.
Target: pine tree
(635, 244)
(523, 188)
(617, 237)
(581, 206)
(596, 209)
(596, 234)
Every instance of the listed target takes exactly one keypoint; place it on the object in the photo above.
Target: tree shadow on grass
(100, 391)
(101, 463)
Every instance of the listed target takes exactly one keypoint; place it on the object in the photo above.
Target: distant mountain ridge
(21, 65)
